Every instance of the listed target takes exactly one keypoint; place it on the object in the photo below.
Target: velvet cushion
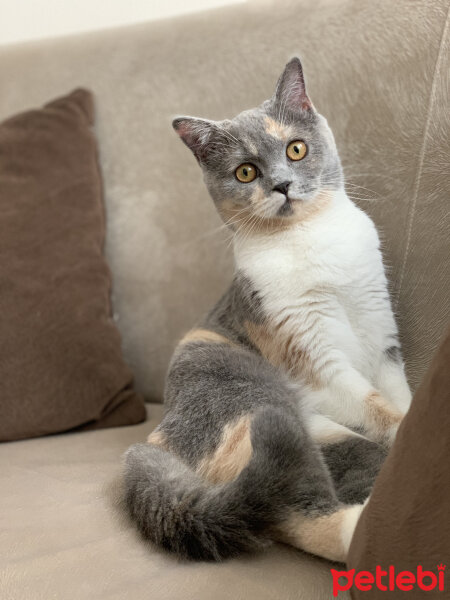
(60, 357)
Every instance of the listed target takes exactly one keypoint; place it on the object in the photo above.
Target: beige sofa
(379, 72)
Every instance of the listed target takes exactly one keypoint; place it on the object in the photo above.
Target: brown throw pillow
(60, 357)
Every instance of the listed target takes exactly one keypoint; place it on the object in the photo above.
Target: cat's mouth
(287, 207)
(291, 198)
(280, 204)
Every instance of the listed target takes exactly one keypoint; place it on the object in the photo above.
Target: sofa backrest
(377, 70)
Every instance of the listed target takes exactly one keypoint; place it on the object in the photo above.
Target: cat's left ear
(197, 134)
(291, 89)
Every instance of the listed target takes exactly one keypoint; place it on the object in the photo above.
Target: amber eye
(246, 173)
(296, 150)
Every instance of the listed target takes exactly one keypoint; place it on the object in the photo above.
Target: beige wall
(22, 20)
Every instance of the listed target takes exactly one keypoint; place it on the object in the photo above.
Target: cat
(281, 404)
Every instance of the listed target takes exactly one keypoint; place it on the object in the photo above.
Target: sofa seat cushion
(63, 534)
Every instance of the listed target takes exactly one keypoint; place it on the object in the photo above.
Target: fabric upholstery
(405, 523)
(63, 535)
(60, 357)
(377, 70)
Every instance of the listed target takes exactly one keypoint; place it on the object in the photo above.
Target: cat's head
(271, 165)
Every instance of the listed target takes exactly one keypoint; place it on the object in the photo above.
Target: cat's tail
(179, 511)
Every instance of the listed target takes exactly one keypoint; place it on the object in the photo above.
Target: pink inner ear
(306, 104)
(291, 88)
(183, 129)
(192, 132)
(296, 95)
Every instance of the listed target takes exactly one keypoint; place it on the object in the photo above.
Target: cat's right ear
(291, 89)
(196, 134)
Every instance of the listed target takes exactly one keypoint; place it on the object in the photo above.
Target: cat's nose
(282, 187)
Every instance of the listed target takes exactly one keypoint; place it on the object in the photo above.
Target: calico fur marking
(157, 438)
(204, 335)
(326, 535)
(279, 346)
(277, 129)
(381, 412)
(231, 456)
(326, 432)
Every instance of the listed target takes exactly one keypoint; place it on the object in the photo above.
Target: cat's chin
(287, 204)
(294, 201)
(286, 209)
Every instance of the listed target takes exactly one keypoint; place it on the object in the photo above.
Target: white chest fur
(322, 283)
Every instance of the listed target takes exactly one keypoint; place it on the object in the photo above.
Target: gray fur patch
(354, 464)
(394, 354)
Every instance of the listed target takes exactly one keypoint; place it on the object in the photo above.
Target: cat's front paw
(384, 419)
(390, 435)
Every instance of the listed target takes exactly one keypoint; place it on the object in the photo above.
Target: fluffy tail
(179, 511)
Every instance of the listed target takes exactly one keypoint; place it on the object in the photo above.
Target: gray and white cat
(282, 402)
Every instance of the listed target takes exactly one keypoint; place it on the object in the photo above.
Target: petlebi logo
(389, 579)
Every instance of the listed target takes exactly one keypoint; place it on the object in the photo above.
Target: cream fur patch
(280, 345)
(328, 536)
(157, 438)
(324, 431)
(204, 335)
(276, 129)
(232, 454)
(349, 521)
(384, 415)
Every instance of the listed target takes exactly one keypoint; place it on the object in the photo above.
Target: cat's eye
(296, 150)
(246, 173)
